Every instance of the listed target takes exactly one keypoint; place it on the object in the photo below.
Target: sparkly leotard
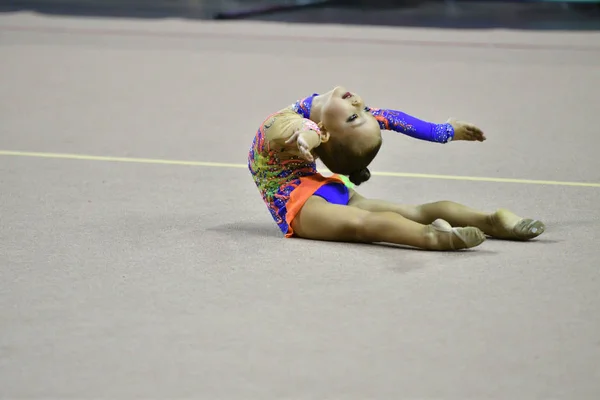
(285, 180)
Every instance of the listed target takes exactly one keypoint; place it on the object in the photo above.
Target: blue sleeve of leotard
(398, 121)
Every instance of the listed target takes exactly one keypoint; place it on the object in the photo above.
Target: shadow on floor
(249, 228)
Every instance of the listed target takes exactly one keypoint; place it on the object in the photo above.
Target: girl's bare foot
(445, 237)
(509, 226)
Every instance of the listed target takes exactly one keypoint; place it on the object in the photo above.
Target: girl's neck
(317, 106)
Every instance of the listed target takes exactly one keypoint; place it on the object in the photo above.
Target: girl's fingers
(476, 133)
(306, 153)
(292, 138)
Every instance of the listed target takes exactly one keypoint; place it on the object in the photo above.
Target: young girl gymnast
(345, 135)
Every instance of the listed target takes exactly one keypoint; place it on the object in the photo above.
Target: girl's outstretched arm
(393, 120)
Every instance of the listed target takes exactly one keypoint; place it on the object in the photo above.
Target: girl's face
(345, 114)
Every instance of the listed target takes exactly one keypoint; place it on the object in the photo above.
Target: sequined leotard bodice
(285, 180)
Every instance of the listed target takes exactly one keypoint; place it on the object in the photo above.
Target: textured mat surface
(129, 278)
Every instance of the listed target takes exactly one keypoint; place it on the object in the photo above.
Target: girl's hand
(303, 144)
(466, 131)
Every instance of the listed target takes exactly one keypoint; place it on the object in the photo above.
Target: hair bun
(360, 176)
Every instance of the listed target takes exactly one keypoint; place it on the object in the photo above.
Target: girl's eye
(352, 117)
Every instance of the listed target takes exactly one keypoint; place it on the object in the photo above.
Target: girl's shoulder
(282, 120)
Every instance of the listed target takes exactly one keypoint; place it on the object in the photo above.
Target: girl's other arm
(440, 133)
(393, 120)
(296, 134)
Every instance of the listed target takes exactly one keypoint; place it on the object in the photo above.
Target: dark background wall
(517, 14)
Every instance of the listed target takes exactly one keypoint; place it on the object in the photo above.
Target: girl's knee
(435, 207)
(443, 203)
(366, 227)
(354, 227)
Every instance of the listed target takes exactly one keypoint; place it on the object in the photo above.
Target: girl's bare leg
(320, 220)
(502, 224)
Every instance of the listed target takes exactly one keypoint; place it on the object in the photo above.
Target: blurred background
(515, 14)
